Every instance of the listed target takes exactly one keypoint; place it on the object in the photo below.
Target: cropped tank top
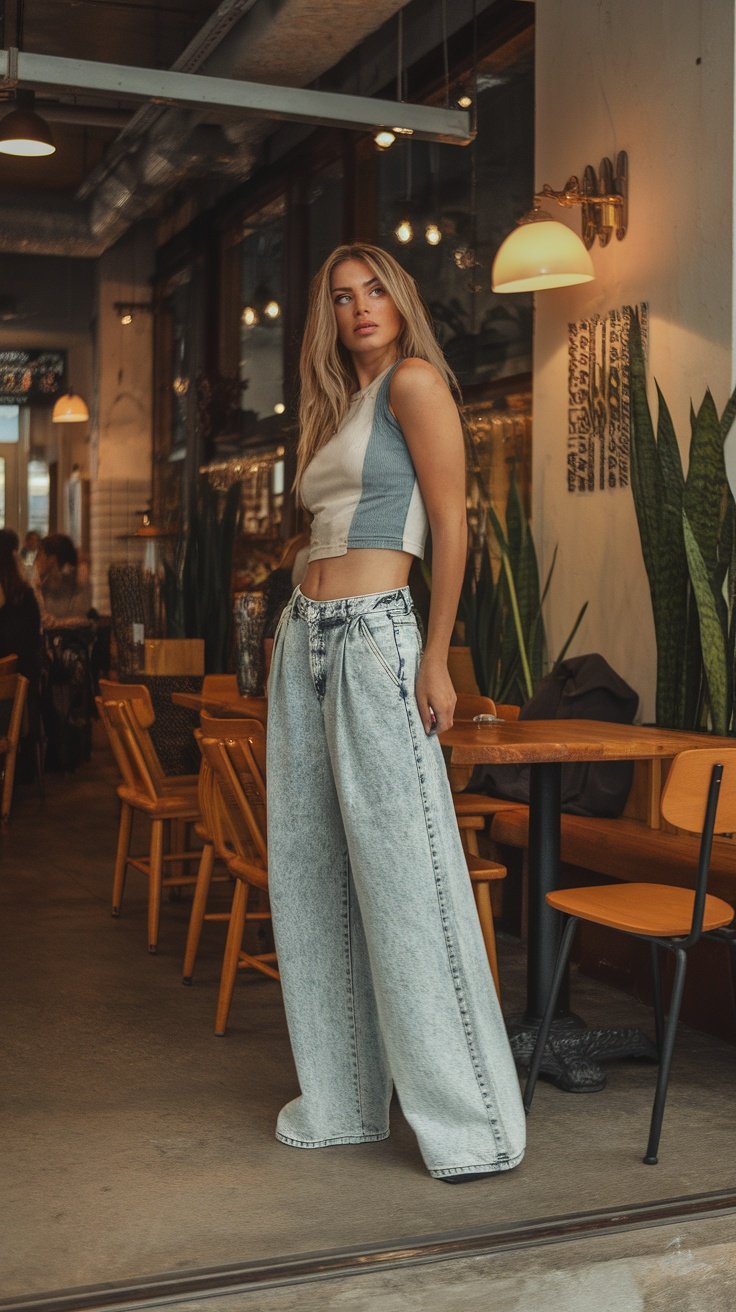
(361, 486)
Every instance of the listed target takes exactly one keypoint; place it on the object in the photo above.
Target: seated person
(20, 622)
(64, 599)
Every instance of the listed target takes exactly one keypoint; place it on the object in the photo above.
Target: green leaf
(644, 463)
(706, 481)
(713, 638)
(571, 634)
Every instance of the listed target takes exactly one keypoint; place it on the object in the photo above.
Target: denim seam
(347, 929)
(503, 1163)
(328, 1143)
(451, 954)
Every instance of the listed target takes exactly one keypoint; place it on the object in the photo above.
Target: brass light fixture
(23, 131)
(542, 253)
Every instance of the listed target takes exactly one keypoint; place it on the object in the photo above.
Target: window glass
(9, 423)
(325, 211)
(38, 497)
(262, 317)
(431, 193)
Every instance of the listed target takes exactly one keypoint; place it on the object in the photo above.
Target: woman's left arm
(423, 405)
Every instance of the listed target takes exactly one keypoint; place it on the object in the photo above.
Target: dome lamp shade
(539, 254)
(70, 409)
(23, 131)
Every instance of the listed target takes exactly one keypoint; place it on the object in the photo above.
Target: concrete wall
(657, 80)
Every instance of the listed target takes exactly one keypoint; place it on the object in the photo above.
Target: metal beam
(359, 113)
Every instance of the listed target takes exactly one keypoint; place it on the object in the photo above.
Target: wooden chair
(13, 691)
(700, 797)
(8, 665)
(127, 714)
(258, 708)
(221, 686)
(236, 752)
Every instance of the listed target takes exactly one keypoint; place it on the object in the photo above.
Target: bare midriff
(358, 572)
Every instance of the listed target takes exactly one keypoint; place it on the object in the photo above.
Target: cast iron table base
(574, 1055)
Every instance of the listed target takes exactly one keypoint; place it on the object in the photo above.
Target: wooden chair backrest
(8, 664)
(236, 752)
(685, 793)
(132, 746)
(220, 685)
(137, 693)
(505, 711)
(208, 805)
(469, 704)
(14, 689)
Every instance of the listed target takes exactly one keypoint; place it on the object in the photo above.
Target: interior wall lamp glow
(542, 253)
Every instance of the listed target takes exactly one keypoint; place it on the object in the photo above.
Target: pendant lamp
(23, 131)
(70, 409)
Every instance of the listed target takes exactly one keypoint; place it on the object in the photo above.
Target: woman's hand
(434, 692)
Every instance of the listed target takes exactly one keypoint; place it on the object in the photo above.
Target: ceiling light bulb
(403, 132)
(384, 138)
(249, 316)
(126, 318)
(272, 309)
(404, 232)
(464, 101)
(432, 234)
(279, 408)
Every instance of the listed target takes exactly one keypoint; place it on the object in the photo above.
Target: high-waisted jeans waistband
(341, 609)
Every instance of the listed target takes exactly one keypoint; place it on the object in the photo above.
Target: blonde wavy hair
(327, 375)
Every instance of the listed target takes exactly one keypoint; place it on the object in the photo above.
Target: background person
(383, 967)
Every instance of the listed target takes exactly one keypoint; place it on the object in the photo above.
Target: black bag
(582, 688)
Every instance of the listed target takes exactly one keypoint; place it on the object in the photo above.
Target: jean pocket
(383, 660)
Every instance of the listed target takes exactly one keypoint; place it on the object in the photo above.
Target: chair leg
(199, 906)
(232, 954)
(121, 856)
(657, 994)
(155, 875)
(665, 1059)
(482, 894)
(546, 1025)
(9, 776)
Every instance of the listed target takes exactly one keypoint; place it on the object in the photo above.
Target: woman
(383, 968)
(63, 598)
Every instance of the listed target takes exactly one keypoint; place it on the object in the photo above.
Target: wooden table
(545, 745)
(242, 706)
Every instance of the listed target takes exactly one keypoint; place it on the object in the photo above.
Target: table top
(524, 742)
(197, 701)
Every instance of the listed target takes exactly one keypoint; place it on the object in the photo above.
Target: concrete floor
(136, 1142)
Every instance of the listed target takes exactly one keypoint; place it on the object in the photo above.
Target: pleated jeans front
(383, 967)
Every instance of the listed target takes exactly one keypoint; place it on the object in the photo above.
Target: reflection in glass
(447, 222)
(324, 214)
(261, 316)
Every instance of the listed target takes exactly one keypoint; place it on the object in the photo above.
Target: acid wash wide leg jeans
(383, 967)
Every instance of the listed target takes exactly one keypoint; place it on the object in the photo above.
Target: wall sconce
(127, 310)
(542, 253)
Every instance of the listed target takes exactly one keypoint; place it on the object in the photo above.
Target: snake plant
(687, 525)
(198, 590)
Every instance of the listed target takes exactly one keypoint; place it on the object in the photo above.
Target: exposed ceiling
(118, 163)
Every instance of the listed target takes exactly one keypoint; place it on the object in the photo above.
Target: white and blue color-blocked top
(361, 486)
